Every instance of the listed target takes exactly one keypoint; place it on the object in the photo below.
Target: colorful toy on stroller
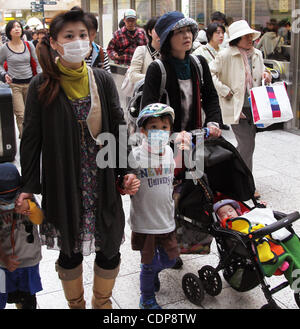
(248, 253)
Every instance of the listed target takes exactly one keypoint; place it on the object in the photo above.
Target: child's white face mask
(157, 140)
(5, 206)
(75, 51)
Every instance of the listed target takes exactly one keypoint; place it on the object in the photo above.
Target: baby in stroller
(277, 252)
(252, 243)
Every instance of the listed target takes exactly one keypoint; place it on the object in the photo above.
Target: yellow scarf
(75, 83)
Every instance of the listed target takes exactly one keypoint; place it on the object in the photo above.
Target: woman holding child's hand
(131, 184)
(82, 205)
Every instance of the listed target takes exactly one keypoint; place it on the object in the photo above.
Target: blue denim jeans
(149, 272)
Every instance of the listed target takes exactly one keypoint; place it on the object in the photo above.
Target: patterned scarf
(246, 55)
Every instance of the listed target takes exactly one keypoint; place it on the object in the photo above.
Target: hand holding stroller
(226, 176)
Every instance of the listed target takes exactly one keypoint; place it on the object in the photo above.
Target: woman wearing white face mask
(67, 107)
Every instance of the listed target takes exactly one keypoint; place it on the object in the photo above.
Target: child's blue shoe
(149, 304)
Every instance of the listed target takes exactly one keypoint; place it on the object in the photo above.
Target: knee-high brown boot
(72, 283)
(104, 281)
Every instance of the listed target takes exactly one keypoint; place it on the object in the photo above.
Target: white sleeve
(135, 70)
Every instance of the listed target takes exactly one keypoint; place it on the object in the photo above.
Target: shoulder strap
(277, 43)
(163, 77)
(153, 55)
(33, 63)
(199, 67)
(28, 46)
(101, 54)
(95, 47)
(211, 54)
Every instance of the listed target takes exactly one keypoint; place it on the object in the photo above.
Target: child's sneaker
(149, 304)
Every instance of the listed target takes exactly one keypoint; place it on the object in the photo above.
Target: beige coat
(228, 73)
(140, 61)
(268, 42)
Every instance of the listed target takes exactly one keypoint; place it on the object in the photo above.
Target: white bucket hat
(239, 28)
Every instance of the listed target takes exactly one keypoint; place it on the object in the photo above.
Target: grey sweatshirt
(18, 63)
(29, 254)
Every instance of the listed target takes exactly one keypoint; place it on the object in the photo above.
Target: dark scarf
(182, 67)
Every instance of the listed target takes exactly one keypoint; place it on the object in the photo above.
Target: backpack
(99, 61)
(135, 104)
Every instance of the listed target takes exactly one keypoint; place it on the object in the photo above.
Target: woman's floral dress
(88, 238)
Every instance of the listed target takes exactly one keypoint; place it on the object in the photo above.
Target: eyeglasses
(29, 229)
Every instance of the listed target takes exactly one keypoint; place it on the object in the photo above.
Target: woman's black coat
(53, 132)
(210, 100)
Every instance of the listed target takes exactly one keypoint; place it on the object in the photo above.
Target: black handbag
(276, 55)
(214, 154)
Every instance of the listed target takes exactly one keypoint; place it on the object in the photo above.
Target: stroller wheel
(211, 280)
(297, 298)
(193, 288)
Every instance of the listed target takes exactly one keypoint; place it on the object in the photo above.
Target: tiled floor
(277, 176)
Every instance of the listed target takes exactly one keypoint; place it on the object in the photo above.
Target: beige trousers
(19, 93)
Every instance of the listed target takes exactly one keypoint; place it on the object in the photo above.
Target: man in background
(125, 40)
(201, 39)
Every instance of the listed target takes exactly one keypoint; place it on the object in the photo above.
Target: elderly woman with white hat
(235, 71)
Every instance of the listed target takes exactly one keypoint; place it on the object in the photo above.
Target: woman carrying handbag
(235, 71)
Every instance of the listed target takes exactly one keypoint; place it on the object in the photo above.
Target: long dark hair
(165, 50)
(49, 89)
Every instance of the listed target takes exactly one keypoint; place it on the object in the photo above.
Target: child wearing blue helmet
(152, 207)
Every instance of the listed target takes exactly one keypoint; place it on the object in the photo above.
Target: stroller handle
(285, 221)
(203, 132)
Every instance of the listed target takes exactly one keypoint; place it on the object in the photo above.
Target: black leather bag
(214, 154)
(276, 55)
(7, 126)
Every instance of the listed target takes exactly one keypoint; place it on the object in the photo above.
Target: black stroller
(225, 173)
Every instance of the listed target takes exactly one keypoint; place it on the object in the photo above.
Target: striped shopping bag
(270, 104)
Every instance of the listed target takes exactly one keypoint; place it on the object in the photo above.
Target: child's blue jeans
(148, 273)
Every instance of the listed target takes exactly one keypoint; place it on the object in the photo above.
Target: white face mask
(157, 140)
(5, 206)
(75, 51)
